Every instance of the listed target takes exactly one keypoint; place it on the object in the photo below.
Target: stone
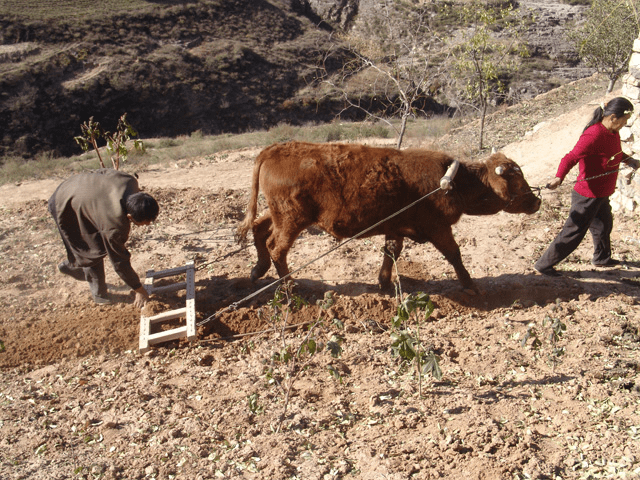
(630, 205)
(634, 61)
(635, 146)
(631, 92)
(635, 130)
(632, 78)
(626, 134)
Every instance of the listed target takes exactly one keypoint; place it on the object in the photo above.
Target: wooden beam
(169, 272)
(168, 315)
(191, 304)
(174, 287)
(168, 335)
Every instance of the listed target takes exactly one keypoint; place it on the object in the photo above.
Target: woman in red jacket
(598, 154)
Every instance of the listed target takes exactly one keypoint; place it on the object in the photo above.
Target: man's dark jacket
(90, 211)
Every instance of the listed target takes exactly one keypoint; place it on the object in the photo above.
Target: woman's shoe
(611, 262)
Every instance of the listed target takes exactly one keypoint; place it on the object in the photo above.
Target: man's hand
(555, 183)
(142, 297)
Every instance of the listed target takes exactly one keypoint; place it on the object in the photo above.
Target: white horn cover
(499, 170)
(445, 182)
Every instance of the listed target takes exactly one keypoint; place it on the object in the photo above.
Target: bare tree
(393, 64)
(480, 58)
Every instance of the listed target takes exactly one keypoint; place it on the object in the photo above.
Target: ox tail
(252, 206)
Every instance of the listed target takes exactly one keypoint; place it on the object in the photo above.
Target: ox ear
(497, 182)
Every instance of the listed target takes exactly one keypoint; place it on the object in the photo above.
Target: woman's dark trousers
(586, 214)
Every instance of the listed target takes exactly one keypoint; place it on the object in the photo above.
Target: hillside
(79, 401)
(202, 65)
(215, 66)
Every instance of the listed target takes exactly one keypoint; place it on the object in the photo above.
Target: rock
(545, 36)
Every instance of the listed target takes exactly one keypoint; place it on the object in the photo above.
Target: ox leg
(447, 245)
(261, 231)
(279, 244)
(392, 249)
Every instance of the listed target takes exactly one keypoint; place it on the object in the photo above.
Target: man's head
(142, 208)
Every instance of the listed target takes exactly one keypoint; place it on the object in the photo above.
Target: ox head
(505, 178)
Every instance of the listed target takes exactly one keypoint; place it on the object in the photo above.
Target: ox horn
(445, 182)
(499, 170)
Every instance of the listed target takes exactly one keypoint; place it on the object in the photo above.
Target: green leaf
(334, 373)
(431, 365)
(311, 346)
(334, 346)
(403, 345)
(84, 144)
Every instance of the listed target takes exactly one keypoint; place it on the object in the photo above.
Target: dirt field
(79, 401)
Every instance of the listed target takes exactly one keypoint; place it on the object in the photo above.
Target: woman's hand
(142, 297)
(555, 183)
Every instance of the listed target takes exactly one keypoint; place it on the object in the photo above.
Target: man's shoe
(609, 263)
(102, 299)
(74, 272)
(548, 272)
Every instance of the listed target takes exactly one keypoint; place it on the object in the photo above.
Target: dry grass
(72, 10)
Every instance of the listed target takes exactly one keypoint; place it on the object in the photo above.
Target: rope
(585, 179)
(234, 305)
(222, 257)
(600, 175)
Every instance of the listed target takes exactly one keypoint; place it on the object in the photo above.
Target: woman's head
(616, 112)
(142, 208)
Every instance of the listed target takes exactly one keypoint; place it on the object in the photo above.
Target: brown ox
(345, 189)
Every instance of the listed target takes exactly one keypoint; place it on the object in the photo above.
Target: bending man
(94, 211)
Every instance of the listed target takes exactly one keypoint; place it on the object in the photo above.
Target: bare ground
(79, 401)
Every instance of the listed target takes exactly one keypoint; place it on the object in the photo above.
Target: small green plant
(406, 343)
(556, 331)
(335, 373)
(292, 360)
(254, 407)
(116, 143)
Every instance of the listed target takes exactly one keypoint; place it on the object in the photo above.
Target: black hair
(618, 106)
(142, 207)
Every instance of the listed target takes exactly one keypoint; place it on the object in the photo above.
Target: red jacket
(598, 151)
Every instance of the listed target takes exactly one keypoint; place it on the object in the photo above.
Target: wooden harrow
(189, 330)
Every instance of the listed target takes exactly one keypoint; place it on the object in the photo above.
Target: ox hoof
(258, 272)
(254, 277)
